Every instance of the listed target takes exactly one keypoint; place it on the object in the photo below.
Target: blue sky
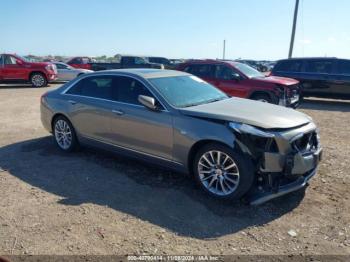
(257, 29)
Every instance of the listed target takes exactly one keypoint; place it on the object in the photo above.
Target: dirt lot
(92, 202)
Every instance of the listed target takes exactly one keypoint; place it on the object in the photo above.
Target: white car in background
(66, 72)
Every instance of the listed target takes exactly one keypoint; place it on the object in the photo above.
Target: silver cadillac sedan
(235, 148)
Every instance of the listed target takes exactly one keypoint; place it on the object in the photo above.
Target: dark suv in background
(319, 77)
(240, 80)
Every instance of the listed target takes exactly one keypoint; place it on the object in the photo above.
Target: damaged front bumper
(283, 183)
(287, 163)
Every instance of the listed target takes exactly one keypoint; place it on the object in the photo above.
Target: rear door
(1, 66)
(318, 77)
(90, 105)
(341, 81)
(137, 128)
(203, 71)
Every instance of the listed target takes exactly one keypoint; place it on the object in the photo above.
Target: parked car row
(233, 147)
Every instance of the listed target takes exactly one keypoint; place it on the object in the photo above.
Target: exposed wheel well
(197, 146)
(271, 95)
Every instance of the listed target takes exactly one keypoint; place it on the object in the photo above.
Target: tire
(64, 134)
(264, 98)
(38, 80)
(236, 180)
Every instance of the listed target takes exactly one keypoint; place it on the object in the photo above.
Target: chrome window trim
(112, 74)
(133, 150)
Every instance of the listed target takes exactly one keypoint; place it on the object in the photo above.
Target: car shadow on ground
(164, 198)
(329, 105)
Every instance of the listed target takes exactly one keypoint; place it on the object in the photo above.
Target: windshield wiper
(205, 102)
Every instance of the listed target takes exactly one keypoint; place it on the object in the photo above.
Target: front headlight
(248, 129)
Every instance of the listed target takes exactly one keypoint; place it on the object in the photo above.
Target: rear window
(289, 66)
(319, 66)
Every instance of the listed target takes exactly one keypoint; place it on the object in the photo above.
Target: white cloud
(305, 41)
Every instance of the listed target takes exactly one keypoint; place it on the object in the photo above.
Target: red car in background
(241, 80)
(14, 69)
(80, 62)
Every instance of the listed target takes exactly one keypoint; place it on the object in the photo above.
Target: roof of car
(146, 73)
(307, 58)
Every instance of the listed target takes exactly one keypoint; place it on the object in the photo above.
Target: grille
(307, 143)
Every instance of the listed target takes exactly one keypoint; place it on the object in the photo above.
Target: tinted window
(201, 70)
(344, 67)
(223, 72)
(319, 66)
(289, 66)
(129, 90)
(1, 60)
(99, 87)
(75, 61)
(10, 60)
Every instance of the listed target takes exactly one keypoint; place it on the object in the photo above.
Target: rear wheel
(222, 172)
(64, 134)
(38, 80)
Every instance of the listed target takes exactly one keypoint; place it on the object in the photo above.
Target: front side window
(247, 70)
(319, 66)
(344, 67)
(129, 89)
(1, 60)
(186, 91)
(223, 72)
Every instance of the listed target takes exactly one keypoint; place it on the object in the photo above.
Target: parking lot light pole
(293, 30)
(223, 53)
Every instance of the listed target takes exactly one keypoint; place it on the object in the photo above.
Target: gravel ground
(92, 202)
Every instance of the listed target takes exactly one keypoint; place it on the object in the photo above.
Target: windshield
(185, 91)
(249, 71)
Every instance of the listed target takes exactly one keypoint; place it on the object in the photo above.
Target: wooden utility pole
(294, 27)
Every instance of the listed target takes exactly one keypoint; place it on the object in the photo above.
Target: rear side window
(200, 70)
(343, 67)
(319, 66)
(1, 60)
(97, 87)
(289, 66)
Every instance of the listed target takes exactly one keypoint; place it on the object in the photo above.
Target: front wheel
(222, 172)
(38, 80)
(64, 134)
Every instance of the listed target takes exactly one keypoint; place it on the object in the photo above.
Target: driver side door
(11, 70)
(136, 127)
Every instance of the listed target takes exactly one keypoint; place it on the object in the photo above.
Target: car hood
(250, 112)
(278, 80)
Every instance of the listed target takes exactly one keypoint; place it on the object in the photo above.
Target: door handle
(118, 112)
(72, 102)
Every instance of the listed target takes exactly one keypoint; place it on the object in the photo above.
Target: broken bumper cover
(307, 163)
(283, 190)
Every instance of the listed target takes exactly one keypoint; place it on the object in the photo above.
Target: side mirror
(235, 76)
(19, 62)
(148, 102)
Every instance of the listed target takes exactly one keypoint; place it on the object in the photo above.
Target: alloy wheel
(218, 172)
(38, 80)
(63, 134)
